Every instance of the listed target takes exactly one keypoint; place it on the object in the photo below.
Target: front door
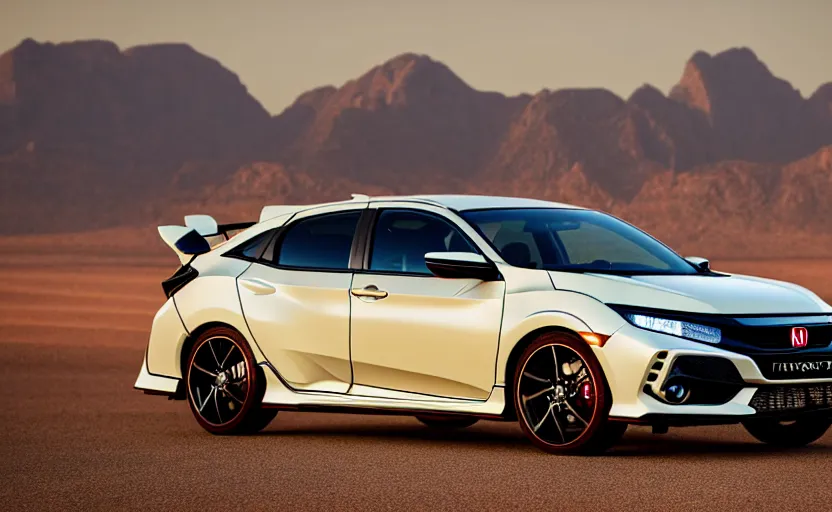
(413, 332)
(297, 304)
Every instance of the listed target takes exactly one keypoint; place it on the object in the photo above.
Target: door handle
(370, 291)
(258, 286)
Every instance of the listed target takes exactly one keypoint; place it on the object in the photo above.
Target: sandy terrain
(75, 435)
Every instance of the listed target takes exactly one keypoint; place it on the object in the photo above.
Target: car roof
(456, 202)
(461, 202)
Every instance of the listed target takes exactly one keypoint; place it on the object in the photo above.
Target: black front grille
(792, 398)
(778, 336)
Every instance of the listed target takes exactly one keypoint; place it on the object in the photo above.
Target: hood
(714, 294)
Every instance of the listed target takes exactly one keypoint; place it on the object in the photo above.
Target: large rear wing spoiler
(199, 235)
(207, 227)
(226, 229)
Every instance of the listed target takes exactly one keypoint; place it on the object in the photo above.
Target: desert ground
(75, 435)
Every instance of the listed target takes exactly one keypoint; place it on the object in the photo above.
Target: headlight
(678, 328)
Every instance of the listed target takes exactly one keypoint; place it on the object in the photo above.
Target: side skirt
(380, 411)
(278, 395)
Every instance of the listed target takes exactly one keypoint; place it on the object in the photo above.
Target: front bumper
(637, 364)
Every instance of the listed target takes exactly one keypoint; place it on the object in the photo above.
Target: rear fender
(213, 298)
(166, 339)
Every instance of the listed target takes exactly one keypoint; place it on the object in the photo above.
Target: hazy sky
(283, 48)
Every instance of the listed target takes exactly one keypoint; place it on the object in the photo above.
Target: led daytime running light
(678, 328)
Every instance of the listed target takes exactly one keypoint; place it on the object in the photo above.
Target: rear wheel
(225, 386)
(447, 422)
(561, 397)
(788, 434)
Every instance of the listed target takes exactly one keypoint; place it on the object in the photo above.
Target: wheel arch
(514, 356)
(191, 339)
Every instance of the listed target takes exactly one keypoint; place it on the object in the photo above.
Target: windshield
(574, 241)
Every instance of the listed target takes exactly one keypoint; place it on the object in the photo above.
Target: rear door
(296, 300)
(414, 332)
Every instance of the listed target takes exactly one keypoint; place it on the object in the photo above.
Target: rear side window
(322, 242)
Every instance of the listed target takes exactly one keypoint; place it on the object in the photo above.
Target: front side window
(574, 240)
(403, 237)
(322, 242)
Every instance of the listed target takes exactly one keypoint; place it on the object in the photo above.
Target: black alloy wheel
(561, 397)
(225, 386)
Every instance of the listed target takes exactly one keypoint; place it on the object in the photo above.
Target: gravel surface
(75, 435)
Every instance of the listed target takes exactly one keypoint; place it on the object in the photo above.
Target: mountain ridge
(92, 136)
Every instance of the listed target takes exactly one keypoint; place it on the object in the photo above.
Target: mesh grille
(788, 398)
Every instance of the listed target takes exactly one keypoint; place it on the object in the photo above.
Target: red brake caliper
(586, 394)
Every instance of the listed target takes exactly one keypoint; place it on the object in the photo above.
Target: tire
(789, 435)
(564, 411)
(447, 422)
(225, 387)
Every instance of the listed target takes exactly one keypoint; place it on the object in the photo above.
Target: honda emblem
(800, 337)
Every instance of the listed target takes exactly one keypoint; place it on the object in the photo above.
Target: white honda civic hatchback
(459, 308)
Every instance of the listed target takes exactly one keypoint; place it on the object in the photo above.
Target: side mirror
(700, 263)
(461, 265)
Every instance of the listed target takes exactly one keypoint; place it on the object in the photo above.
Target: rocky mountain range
(733, 161)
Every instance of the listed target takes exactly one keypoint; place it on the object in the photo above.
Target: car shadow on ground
(636, 443)
(644, 444)
(473, 436)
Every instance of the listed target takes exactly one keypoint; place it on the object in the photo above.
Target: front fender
(526, 312)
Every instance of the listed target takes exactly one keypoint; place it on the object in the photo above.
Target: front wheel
(561, 397)
(787, 434)
(225, 386)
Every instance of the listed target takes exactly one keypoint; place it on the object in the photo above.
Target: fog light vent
(656, 368)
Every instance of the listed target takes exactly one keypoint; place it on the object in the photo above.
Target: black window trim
(369, 238)
(359, 256)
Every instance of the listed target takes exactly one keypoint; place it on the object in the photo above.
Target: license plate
(816, 369)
